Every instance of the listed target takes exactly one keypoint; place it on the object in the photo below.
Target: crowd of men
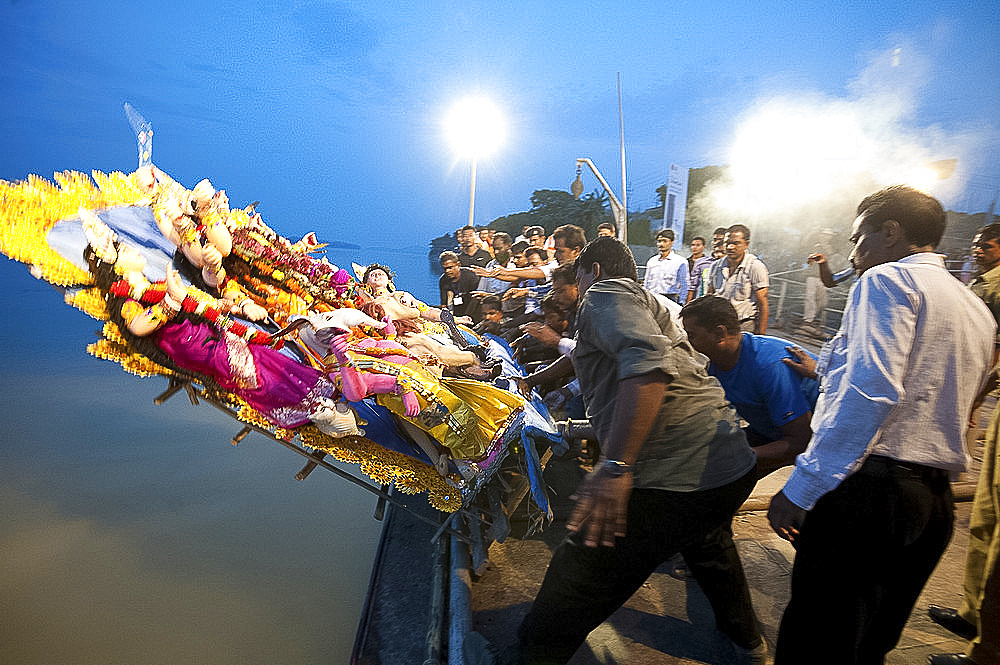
(691, 403)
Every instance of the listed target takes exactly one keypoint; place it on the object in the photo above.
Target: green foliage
(551, 208)
(638, 230)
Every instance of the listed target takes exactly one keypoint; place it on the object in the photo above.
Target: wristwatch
(615, 468)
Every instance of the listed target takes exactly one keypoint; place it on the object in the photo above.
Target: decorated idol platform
(324, 361)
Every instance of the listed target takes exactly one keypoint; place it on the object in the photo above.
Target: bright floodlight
(475, 127)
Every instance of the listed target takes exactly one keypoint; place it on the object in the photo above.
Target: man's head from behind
(604, 258)
(711, 324)
(892, 223)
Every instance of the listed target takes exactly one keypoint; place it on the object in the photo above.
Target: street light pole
(617, 209)
(472, 192)
(475, 129)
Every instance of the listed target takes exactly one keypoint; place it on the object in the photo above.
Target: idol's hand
(175, 287)
(252, 310)
(212, 257)
(410, 403)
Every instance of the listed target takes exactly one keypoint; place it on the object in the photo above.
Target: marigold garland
(89, 301)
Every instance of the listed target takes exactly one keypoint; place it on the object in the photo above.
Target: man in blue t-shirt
(770, 396)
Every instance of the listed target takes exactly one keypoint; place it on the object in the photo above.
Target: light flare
(475, 127)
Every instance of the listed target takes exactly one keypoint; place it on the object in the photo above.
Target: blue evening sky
(332, 113)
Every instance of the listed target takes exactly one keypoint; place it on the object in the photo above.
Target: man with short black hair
(456, 286)
(607, 229)
(776, 401)
(703, 266)
(741, 278)
(501, 259)
(697, 251)
(868, 505)
(470, 254)
(675, 467)
(667, 273)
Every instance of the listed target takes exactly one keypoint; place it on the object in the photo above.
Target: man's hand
(816, 257)
(523, 386)
(542, 333)
(514, 293)
(801, 362)
(785, 517)
(601, 508)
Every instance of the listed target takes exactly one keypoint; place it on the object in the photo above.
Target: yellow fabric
(463, 415)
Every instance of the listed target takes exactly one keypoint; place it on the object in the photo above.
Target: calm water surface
(136, 533)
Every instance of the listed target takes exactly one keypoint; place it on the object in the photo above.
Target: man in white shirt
(868, 504)
(667, 273)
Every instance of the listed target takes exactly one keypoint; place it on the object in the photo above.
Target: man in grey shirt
(674, 470)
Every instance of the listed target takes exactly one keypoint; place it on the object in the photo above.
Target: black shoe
(949, 659)
(949, 618)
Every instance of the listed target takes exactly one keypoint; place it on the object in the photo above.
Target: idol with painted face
(377, 279)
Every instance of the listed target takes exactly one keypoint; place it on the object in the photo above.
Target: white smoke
(802, 161)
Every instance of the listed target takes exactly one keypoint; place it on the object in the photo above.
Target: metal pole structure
(623, 227)
(617, 209)
(472, 192)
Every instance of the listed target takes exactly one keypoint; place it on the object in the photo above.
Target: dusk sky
(332, 114)
(134, 533)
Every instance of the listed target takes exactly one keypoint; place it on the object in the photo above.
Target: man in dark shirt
(470, 253)
(456, 286)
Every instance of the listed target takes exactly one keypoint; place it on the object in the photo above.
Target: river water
(136, 533)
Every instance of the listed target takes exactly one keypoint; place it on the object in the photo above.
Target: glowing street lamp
(475, 129)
